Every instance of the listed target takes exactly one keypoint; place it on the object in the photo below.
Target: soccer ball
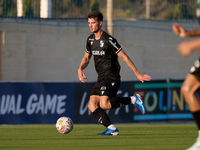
(64, 125)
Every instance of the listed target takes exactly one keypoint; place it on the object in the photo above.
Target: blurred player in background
(106, 50)
(192, 80)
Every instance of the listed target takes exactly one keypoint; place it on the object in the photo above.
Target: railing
(122, 9)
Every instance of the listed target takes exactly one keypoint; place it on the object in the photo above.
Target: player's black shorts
(195, 69)
(106, 87)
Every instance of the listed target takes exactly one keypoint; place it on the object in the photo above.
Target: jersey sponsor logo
(113, 83)
(101, 43)
(97, 52)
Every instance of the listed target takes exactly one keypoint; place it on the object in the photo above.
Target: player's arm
(193, 32)
(141, 77)
(180, 31)
(186, 47)
(84, 63)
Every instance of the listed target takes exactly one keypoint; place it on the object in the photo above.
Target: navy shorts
(195, 69)
(106, 87)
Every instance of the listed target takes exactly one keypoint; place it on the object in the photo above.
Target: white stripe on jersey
(115, 46)
(87, 51)
(118, 50)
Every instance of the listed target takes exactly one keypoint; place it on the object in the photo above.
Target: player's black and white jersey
(105, 52)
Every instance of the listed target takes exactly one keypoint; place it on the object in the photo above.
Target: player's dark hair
(96, 14)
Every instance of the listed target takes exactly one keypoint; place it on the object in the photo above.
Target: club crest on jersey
(101, 43)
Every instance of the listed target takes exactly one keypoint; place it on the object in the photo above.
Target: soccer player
(192, 80)
(106, 50)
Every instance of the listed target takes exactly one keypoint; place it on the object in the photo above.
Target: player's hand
(179, 30)
(185, 48)
(143, 77)
(81, 75)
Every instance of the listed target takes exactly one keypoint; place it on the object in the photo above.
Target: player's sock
(111, 127)
(102, 117)
(119, 101)
(196, 116)
(133, 99)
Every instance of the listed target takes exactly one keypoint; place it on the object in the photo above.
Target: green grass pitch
(83, 137)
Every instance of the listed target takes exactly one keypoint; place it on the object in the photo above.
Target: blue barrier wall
(162, 98)
(44, 103)
(35, 103)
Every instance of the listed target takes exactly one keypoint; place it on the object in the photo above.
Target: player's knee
(185, 89)
(91, 107)
(104, 106)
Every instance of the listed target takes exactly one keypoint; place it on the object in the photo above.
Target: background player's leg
(189, 88)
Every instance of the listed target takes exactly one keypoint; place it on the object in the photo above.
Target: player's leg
(188, 89)
(98, 112)
(101, 116)
(122, 101)
(105, 103)
(116, 102)
(109, 100)
(105, 88)
(108, 88)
